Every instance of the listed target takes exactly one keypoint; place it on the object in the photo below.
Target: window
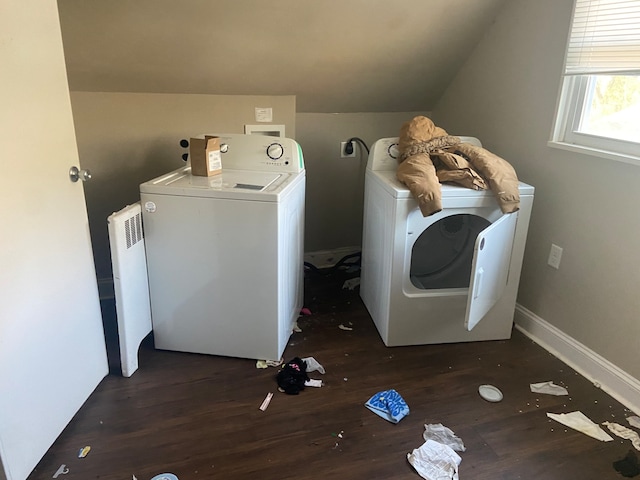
(599, 104)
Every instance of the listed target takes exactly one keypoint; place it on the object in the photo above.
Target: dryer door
(490, 268)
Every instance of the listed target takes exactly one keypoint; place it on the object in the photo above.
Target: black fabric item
(292, 376)
(628, 466)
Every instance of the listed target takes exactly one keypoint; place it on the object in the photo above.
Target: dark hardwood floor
(198, 416)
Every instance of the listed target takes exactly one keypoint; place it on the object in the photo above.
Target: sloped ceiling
(334, 55)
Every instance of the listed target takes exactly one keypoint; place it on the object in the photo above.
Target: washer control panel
(260, 153)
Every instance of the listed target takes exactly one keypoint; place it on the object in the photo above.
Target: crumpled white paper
(549, 388)
(444, 435)
(624, 432)
(435, 461)
(580, 422)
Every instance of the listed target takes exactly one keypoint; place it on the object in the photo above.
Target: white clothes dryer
(225, 253)
(449, 277)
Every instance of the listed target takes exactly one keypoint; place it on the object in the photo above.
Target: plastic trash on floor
(389, 405)
(62, 470)
(490, 393)
(84, 451)
(313, 365)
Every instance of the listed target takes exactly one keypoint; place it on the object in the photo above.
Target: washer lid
(234, 184)
(229, 180)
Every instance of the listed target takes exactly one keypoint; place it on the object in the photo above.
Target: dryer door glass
(490, 269)
(442, 255)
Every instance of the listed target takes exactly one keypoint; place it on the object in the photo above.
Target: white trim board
(611, 379)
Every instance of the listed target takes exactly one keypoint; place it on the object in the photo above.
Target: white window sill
(595, 152)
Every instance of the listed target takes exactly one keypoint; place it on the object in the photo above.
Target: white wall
(335, 186)
(506, 95)
(334, 56)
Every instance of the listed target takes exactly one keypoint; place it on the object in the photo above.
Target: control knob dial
(394, 151)
(275, 151)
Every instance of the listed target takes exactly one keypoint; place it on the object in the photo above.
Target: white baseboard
(614, 381)
(328, 258)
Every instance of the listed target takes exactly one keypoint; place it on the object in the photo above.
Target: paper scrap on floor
(435, 461)
(441, 434)
(351, 283)
(268, 363)
(634, 421)
(313, 383)
(62, 470)
(549, 388)
(624, 432)
(580, 422)
(84, 451)
(266, 401)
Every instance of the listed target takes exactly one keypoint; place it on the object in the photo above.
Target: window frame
(565, 135)
(603, 39)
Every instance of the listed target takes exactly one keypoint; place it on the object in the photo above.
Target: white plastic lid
(490, 393)
(165, 476)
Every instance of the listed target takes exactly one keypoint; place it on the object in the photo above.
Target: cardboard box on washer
(205, 156)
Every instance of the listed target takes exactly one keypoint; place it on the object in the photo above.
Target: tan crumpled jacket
(429, 156)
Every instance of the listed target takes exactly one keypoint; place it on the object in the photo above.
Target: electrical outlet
(343, 154)
(554, 256)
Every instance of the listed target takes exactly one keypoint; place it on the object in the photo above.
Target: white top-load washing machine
(449, 277)
(225, 253)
